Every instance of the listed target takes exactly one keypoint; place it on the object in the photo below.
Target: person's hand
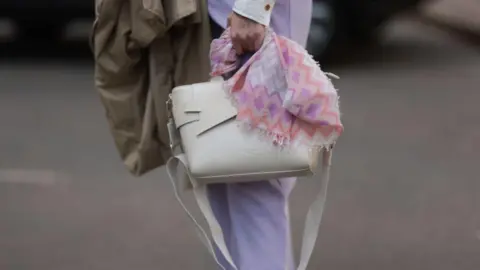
(247, 35)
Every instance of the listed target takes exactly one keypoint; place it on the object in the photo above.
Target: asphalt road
(405, 192)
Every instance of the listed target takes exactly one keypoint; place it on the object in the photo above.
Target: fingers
(246, 42)
(239, 41)
(236, 41)
(250, 41)
(257, 42)
(229, 20)
(246, 35)
(237, 45)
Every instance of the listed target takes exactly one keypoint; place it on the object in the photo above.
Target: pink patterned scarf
(281, 91)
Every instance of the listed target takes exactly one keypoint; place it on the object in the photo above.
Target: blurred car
(44, 19)
(337, 22)
(333, 21)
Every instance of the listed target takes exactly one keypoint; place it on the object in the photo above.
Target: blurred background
(405, 190)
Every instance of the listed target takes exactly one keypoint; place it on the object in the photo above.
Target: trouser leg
(256, 223)
(218, 196)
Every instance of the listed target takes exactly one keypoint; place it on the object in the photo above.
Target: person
(142, 50)
(255, 216)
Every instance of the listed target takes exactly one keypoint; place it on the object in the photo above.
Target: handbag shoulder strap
(200, 193)
(312, 221)
(315, 212)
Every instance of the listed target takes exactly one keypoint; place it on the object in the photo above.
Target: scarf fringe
(284, 141)
(281, 140)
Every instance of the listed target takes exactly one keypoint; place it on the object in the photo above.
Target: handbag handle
(312, 221)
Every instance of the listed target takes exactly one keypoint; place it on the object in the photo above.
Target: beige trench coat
(143, 49)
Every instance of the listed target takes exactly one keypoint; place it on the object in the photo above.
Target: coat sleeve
(257, 10)
(122, 32)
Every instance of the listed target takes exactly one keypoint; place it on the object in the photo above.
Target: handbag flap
(204, 103)
(182, 110)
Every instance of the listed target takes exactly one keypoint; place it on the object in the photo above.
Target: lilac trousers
(255, 221)
(254, 218)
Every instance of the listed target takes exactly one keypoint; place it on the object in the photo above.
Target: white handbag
(215, 149)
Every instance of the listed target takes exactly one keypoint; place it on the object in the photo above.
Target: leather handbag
(213, 148)
(219, 150)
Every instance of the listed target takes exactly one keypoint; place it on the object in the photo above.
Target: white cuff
(257, 10)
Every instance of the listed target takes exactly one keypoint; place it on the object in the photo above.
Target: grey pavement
(405, 190)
